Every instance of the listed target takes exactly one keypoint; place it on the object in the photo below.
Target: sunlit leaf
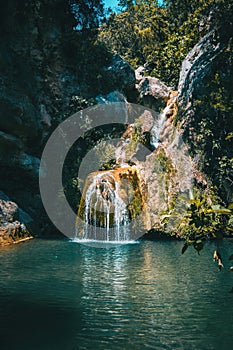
(223, 211)
(163, 217)
(229, 136)
(220, 210)
(215, 207)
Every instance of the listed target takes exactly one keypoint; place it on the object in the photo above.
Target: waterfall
(104, 213)
(159, 124)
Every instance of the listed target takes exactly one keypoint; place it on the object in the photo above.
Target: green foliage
(163, 163)
(136, 32)
(198, 219)
(158, 37)
(87, 13)
(135, 205)
(76, 104)
(87, 57)
(203, 220)
(137, 138)
(223, 18)
(209, 133)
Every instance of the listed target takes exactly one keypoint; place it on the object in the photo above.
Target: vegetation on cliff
(160, 36)
(56, 59)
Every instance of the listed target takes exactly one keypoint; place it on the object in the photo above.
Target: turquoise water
(61, 295)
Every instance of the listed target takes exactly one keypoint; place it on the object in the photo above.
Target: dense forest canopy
(160, 36)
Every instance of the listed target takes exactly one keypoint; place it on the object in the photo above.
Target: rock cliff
(47, 72)
(12, 222)
(205, 110)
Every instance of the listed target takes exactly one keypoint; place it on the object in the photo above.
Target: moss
(166, 174)
(135, 206)
(137, 138)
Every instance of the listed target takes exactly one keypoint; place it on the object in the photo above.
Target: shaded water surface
(67, 296)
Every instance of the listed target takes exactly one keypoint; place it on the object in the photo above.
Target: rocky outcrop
(205, 110)
(140, 72)
(13, 222)
(195, 67)
(46, 74)
(165, 170)
(153, 93)
(120, 73)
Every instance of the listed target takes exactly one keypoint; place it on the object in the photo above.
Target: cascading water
(104, 213)
(159, 124)
(118, 205)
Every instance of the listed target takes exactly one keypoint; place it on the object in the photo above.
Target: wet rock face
(107, 188)
(12, 222)
(113, 201)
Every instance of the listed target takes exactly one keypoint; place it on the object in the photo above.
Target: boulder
(13, 221)
(140, 73)
(120, 73)
(153, 93)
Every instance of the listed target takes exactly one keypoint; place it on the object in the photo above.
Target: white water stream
(159, 124)
(106, 214)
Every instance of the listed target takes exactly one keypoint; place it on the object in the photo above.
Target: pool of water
(56, 294)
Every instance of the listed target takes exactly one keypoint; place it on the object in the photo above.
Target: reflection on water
(63, 295)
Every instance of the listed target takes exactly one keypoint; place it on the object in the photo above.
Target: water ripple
(71, 296)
